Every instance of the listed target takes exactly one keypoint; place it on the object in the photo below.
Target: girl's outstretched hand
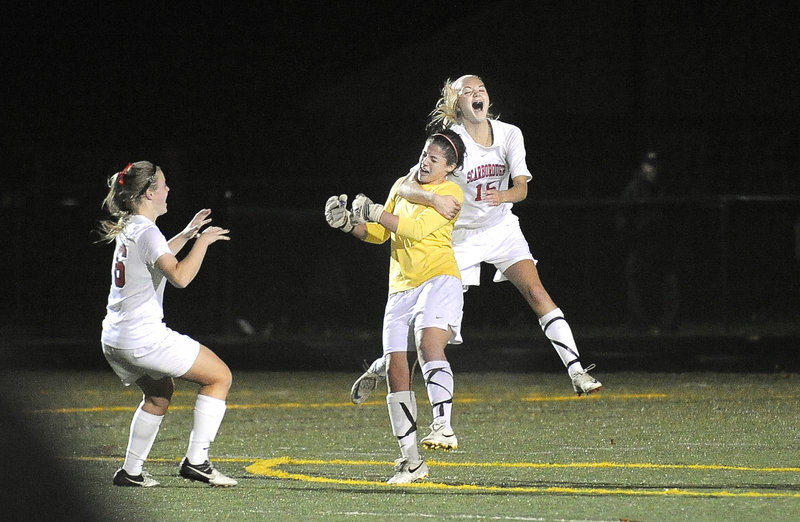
(212, 234)
(199, 220)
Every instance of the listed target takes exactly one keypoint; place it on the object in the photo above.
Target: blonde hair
(124, 189)
(447, 113)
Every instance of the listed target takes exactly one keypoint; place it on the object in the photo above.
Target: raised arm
(410, 189)
(198, 221)
(338, 216)
(364, 210)
(181, 273)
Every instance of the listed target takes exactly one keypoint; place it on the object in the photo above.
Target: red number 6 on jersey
(119, 274)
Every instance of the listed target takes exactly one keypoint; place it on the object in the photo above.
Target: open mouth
(477, 105)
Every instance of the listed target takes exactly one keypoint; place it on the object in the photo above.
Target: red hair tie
(122, 174)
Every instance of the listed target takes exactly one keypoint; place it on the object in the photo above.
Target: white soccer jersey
(489, 167)
(135, 313)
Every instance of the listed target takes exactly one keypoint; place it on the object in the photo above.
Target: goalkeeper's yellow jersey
(422, 247)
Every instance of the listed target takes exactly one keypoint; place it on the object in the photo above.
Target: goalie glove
(365, 210)
(336, 213)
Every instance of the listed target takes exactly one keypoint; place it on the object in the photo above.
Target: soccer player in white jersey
(424, 308)
(137, 344)
(494, 177)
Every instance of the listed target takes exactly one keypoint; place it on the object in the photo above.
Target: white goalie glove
(336, 213)
(365, 210)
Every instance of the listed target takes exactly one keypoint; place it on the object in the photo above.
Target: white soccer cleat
(406, 472)
(364, 386)
(441, 437)
(582, 382)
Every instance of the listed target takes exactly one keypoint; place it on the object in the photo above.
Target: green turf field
(697, 446)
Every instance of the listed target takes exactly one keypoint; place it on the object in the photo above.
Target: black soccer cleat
(143, 480)
(205, 472)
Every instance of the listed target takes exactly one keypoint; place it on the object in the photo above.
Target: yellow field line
(594, 397)
(608, 465)
(313, 405)
(270, 468)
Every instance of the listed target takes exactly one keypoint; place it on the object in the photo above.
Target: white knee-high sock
(403, 416)
(144, 428)
(208, 414)
(439, 383)
(558, 332)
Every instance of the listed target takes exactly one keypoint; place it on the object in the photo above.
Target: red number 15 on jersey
(483, 187)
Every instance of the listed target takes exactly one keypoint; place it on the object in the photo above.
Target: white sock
(144, 428)
(439, 383)
(208, 414)
(557, 330)
(403, 416)
(378, 366)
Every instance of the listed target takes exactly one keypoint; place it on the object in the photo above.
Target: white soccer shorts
(172, 357)
(437, 303)
(502, 245)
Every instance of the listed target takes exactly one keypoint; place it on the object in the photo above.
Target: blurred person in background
(651, 279)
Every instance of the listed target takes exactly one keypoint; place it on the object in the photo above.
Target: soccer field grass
(694, 446)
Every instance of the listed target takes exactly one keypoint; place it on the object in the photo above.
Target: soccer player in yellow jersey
(424, 308)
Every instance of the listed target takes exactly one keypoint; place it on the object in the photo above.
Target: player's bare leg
(525, 277)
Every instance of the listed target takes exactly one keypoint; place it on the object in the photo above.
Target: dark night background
(260, 111)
